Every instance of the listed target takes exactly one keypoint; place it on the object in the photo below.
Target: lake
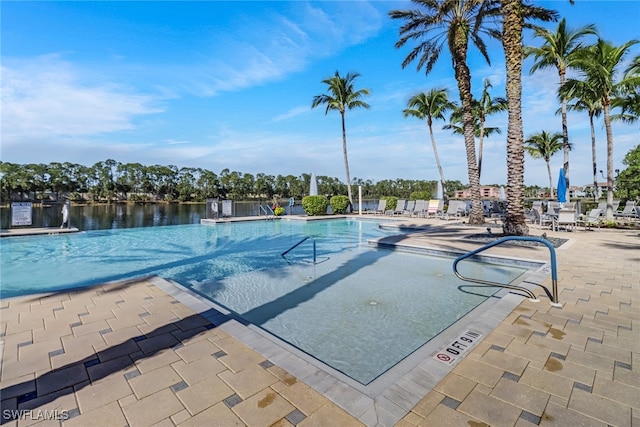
(104, 217)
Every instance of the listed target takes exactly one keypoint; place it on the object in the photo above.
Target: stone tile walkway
(131, 353)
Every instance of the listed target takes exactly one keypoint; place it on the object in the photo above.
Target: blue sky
(230, 84)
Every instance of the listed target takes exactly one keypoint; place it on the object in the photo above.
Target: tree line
(110, 180)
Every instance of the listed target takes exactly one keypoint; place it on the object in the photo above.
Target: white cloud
(44, 97)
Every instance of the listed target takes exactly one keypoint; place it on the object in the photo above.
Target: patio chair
(566, 218)
(455, 209)
(541, 219)
(591, 219)
(628, 211)
(408, 210)
(382, 204)
(398, 210)
(553, 208)
(432, 208)
(419, 208)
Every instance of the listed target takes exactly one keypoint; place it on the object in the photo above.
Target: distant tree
(585, 98)
(544, 145)
(429, 106)
(487, 106)
(342, 96)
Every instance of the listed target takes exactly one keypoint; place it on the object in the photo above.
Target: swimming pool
(357, 309)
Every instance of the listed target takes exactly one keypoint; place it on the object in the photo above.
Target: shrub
(420, 195)
(339, 204)
(392, 202)
(315, 205)
(278, 211)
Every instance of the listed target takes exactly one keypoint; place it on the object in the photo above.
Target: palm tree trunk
(463, 77)
(514, 223)
(607, 125)
(565, 131)
(437, 157)
(550, 178)
(346, 161)
(593, 157)
(480, 147)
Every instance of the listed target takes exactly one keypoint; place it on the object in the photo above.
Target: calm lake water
(104, 217)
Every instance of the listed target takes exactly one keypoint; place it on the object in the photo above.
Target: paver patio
(137, 353)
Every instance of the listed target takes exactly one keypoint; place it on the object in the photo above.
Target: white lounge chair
(629, 210)
(541, 218)
(398, 210)
(432, 209)
(566, 218)
(591, 219)
(408, 209)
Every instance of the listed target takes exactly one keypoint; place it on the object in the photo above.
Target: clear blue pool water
(359, 310)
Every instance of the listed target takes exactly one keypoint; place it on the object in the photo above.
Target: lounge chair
(398, 210)
(629, 210)
(456, 209)
(432, 209)
(553, 208)
(541, 218)
(420, 207)
(382, 204)
(591, 219)
(566, 218)
(408, 210)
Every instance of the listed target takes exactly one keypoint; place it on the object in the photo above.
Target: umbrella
(313, 186)
(502, 196)
(439, 191)
(562, 187)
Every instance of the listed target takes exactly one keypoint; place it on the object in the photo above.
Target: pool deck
(147, 352)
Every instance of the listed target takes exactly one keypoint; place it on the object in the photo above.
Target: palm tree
(599, 65)
(342, 96)
(543, 145)
(454, 23)
(586, 99)
(431, 105)
(558, 51)
(514, 13)
(487, 106)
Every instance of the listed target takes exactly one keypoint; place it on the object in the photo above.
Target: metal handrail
(266, 213)
(298, 244)
(554, 271)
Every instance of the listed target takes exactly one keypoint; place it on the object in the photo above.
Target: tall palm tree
(544, 145)
(429, 106)
(557, 51)
(586, 99)
(487, 106)
(599, 65)
(514, 13)
(482, 108)
(454, 23)
(342, 96)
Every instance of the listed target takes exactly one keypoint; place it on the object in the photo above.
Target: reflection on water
(105, 217)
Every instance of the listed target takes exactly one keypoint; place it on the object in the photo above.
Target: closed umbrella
(562, 187)
(313, 185)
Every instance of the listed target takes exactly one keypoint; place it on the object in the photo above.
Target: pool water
(357, 309)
